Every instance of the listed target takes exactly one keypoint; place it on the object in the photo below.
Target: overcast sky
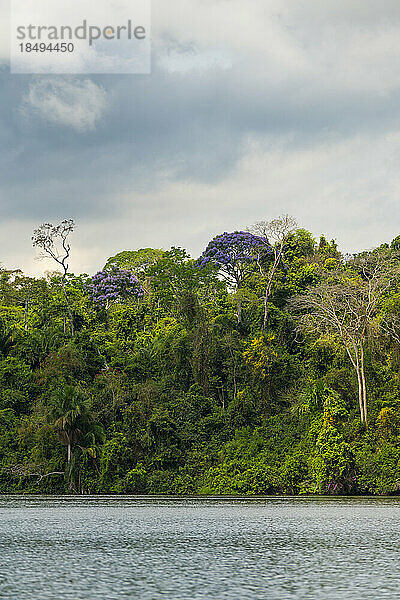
(253, 109)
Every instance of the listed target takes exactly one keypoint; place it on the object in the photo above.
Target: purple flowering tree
(235, 253)
(110, 287)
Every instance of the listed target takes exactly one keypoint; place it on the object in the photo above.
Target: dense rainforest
(269, 365)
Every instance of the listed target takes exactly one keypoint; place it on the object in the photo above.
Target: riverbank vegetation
(269, 365)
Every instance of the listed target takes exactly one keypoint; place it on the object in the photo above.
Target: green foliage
(170, 394)
(137, 261)
(332, 465)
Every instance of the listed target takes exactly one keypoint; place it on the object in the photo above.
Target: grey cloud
(96, 147)
(67, 102)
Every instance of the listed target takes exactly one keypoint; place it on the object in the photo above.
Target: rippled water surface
(113, 548)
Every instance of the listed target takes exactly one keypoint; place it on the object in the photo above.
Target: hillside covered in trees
(269, 365)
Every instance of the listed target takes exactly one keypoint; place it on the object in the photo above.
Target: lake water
(110, 548)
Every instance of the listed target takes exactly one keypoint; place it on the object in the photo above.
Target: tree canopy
(271, 364)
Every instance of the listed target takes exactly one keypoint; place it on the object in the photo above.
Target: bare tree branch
(276, 233)
(346, 305)
(53, 241)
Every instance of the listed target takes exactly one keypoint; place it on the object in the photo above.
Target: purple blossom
(233, 253)
(107, 287)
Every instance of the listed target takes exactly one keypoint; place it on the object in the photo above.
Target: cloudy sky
(253, 109)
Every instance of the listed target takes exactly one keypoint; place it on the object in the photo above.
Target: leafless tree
(390, 326)
(53, 241)
(30, 470)
(276, 232)
(345, 305)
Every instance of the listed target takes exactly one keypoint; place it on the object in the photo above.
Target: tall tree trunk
(69, 452)
(355, 361)
(71, 320)
(239, 309)
(360, 396)
(221, 396)
(269, 287)
(234, 371)
(364, 384)
(264, 327)
(266, 298)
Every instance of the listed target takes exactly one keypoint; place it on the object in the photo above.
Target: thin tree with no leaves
(276, 232)
(53, 241)
(345, 305)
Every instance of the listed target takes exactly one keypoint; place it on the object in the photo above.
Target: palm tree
(70, 413)
(86, 456)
